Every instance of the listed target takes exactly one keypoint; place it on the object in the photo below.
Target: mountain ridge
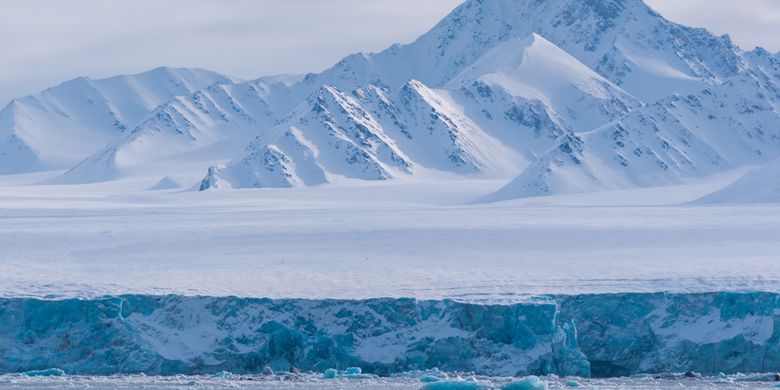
(568, 96)
(57, 127)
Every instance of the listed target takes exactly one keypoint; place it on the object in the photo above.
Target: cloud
(46, 42)
(749, 23)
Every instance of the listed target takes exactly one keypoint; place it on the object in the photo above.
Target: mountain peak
(535, 69)
(613, 37)
(498, 20)
(531, 59)
(606, 9)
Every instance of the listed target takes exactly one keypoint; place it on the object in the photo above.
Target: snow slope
(57, 127)
(761, 185)
(192, 131)
(665, 143)
(365, 135)
(329, 134)
(534, 69)
(376, 134)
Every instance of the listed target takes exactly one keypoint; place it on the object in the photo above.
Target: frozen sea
(312, 383)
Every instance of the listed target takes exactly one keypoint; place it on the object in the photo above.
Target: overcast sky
(44, 42)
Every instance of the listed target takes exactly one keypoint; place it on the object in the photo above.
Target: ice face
(599, 335)
(624, 334)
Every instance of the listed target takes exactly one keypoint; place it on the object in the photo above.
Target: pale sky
(45, 42)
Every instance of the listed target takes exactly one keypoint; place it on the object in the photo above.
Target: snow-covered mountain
(365, 134)
(492, 118)
(535, 70)
(580, 96)
(565, 96)
(624, 40)
(198, 128)
(61, 125)
(667, 142)
(330, 133)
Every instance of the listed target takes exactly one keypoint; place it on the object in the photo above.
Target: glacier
(597, 335)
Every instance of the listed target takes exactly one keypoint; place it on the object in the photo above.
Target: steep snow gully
(587, 335)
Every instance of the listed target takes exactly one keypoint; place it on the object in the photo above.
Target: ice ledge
(599, 335)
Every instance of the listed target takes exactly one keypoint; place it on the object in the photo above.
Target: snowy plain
(406, 238)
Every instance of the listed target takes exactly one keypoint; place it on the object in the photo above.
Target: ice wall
(602, 335)
(650, 333)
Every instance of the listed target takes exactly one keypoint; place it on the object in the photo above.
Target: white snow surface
(761, 185)
(535, 69)
(404, 238)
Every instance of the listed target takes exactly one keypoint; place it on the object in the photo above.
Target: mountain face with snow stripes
(60, 126)
(491, 119)
(565, 96)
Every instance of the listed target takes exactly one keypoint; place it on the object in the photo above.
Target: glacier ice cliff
(586, 335)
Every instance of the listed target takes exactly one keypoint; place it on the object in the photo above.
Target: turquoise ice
(586, 335)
